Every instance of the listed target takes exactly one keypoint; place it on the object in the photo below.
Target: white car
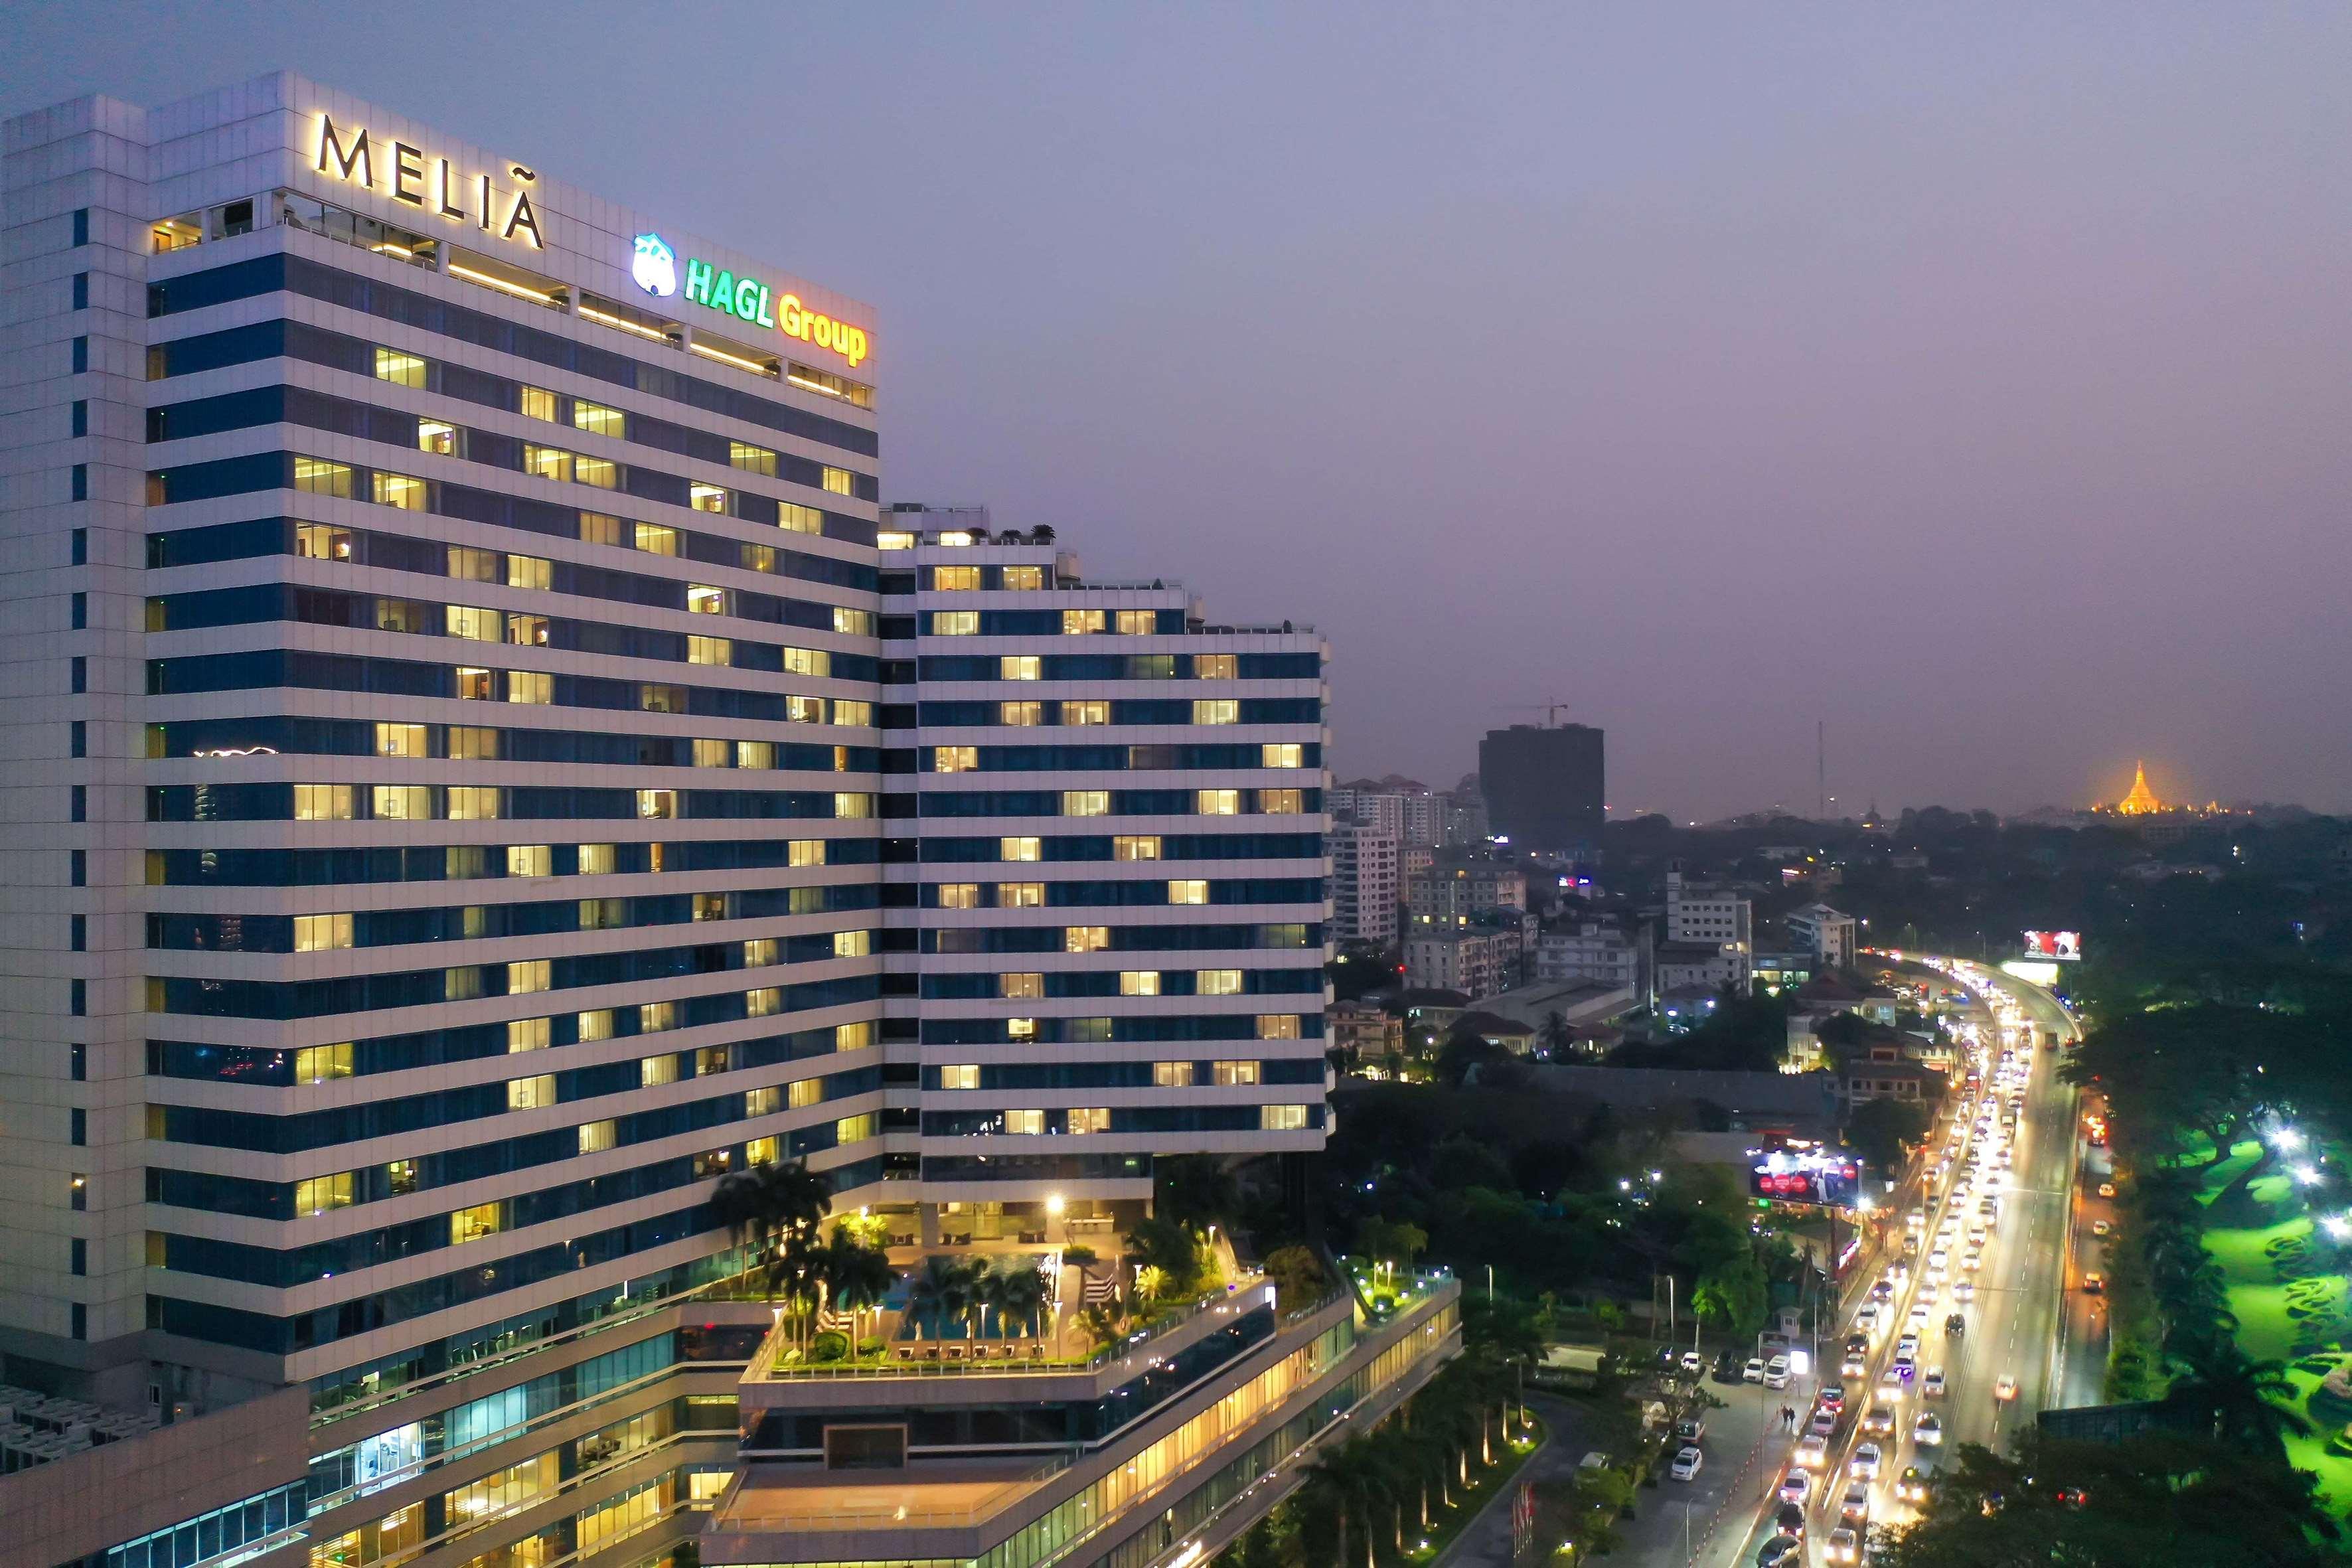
(2005, 1389)
(1932, 1385)
(1929, 1430)
(1812, 1451)
(1795, 1487)
(1867, 1461)
(1845, 1545)
(1965, 1290)
(1753, 1371)
(1686, 1465)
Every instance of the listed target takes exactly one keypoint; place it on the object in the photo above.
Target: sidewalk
(1742, 1439)
(1486, 1541)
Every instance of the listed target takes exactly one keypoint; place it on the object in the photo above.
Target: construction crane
(1551, 711)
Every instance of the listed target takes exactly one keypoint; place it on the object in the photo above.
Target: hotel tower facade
(483, 765)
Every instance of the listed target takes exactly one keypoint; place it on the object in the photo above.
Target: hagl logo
(655, 266)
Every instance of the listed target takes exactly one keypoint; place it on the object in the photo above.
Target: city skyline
(1792, 384)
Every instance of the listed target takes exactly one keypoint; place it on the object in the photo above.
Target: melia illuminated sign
(351, 155)
(746, 298)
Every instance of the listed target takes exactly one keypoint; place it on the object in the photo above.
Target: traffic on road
(1976, 1311)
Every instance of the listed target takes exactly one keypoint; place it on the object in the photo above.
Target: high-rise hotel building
(483, 764)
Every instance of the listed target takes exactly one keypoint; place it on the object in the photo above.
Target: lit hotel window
(1026, 1123)
(1020, 667)
(1138, 983)
(597, 419)
(1214, 666)
(955, 623)
(400, 369)
(1216, 710)
(1281, 1118)
(954, 759)
(1219, 802)
(316, 933)
(1019, 895)
(750, 459)
(948, 579)
(1021, 987)
(839, 481)
(1086, 939)
(1078, 623)
(959, 895)
(707, 498)
(1025, 577)
(1019, 848)
(436, 436)
(1172, 1074)
(960, 1075)
(404, 491)
(1281, 802)
(795, 519)
(1089, 1119)
(1283, 755)
(538, 403)
(1217, 983)
(322, 803)
(319, 542)
(1138, 623)
(547, 462)
(1086, 802)
(1277, 1026)
(1021, 714)
(318, 477)
(1189, 890)
(1135, 846)
(1091, 711)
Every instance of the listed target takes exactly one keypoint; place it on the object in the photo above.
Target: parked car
(1690, 1430)
(1686, 1465)
(1727, 1368)
(1776, 1373)
(1753, 1371)
(1692, 1363)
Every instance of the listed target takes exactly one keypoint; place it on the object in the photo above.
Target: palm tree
(2241, 1396)
(1017, 1295)
(853, 1276)
(1556, 1034)
(771, 1205)
(1350, 1482)
(946, 1288)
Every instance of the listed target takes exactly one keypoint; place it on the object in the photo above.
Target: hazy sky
(1975, 378)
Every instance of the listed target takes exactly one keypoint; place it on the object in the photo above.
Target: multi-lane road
(2033, 1337)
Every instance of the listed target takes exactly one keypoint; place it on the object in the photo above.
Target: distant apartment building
(1544, 786)
(1476, 962)
(1827, 933)
(1466, 825)
(1594, 951)
(1450, 892)
(1412, 812)
(1699, 914)
(1364, 886)
(1363, 1031)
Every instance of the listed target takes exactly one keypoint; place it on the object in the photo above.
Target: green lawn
(2290, 1305)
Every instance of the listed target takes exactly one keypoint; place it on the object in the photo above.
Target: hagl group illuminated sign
(745, 298)
(351, 155)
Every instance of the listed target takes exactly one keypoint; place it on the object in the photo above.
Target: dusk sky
(1976, 379)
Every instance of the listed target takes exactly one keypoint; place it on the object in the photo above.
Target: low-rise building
(1698, 912)
(1826, 933)
(1594, 951)
(1452, 890)
(1885, 1071)
(1364, 1031)
(1473, 961)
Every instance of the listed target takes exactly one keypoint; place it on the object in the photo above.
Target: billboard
(2059, 944)
(1806, 1175)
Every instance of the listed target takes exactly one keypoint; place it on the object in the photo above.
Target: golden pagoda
(2141, 801)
